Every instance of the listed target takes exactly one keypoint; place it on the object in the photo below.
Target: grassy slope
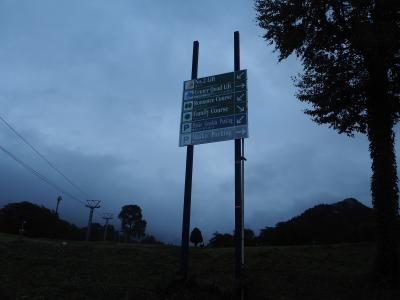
(40, 269)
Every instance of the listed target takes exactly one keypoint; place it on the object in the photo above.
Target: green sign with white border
(214, 109)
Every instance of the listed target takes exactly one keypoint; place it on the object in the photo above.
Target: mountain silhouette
(344, 221)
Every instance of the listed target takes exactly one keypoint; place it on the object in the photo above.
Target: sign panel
(214, 109)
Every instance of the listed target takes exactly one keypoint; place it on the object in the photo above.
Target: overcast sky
(96, 86)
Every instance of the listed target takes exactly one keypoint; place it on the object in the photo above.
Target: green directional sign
(214, 109)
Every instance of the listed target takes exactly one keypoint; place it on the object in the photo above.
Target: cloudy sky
(96, 85)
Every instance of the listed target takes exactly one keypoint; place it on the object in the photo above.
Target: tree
(39, 221)
(96, 232)
(196, 237)
(350, 51)
(150, 239)
(132, 223)
(139, 229)
(249, 237)
(221, 240)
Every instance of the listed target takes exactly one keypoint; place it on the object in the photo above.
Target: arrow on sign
(239, 76)
(240, 119)
(241, 86)
(241, 108)
(242, 131)
(240, 98)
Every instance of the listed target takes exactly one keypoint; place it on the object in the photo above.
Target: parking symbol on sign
(186, 127)
(186, 139)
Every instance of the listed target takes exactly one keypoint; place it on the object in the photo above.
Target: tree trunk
(384, 176)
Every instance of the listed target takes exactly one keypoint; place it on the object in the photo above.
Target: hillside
(42, 269)
(344, 221)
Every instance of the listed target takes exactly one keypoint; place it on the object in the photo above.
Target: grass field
(43, 269)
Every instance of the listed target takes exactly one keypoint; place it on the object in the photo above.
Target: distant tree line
(347, 221)
(228, 240)
(40, 222)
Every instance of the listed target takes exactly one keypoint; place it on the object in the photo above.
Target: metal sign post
(188, 183)
(239, 181)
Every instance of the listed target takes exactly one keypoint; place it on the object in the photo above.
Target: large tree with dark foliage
(132, 222)
(350, 51)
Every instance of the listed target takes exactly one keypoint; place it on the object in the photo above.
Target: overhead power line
(44, 178)
(43, 157)
(40, 176)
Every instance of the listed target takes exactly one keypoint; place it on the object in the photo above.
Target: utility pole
(92, 204)
(107, 217)
(59, 199)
